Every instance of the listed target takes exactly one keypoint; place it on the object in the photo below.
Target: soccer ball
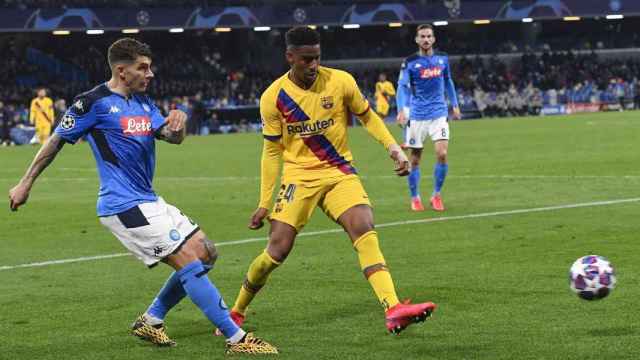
(592, 277)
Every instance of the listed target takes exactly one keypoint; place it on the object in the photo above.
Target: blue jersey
(421, 87)
(121, 133)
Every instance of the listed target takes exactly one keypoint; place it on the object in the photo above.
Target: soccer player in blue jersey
(424, 79)
(121, 124)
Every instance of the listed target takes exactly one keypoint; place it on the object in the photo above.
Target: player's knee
(442, 156)
(362, 228)
(278, 252)
(415, 163)
(210, 252)
(359, 222)
(281, 240)
(201, 248)
(279, 248)
(183, 256)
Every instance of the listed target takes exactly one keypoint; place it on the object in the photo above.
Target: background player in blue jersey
(121, 124)
(424, 78)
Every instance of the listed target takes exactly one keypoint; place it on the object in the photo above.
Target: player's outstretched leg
(281, 239)
(192, 275)
(358, 222)
(150, 325)
(151, 330)
(404, 314)
(255, 279)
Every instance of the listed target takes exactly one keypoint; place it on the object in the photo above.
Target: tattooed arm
(19, 194)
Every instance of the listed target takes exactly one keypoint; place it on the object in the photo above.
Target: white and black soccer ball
(592, 277)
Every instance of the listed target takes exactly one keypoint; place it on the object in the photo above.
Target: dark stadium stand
(503, 69)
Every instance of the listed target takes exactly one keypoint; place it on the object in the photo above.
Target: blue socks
(205, 295)
(414, 181)
(169, 296)
(439, 174)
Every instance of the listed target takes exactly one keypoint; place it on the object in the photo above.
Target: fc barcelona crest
(326, 102)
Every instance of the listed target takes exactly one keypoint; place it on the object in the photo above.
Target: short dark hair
(424, 26)
(127, 50)
(301, 36)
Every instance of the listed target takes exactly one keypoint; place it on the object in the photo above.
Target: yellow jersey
(41, 111)
(384, 89)
(311, 124)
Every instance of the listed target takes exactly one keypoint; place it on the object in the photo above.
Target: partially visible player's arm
(403, 94)
(391, 90)
(32, 112)
(450, 88)
(374, 125)
(19, 194)
(376, 128)
(269, 168)
(173, 130)
(52, 114)
(271, 156)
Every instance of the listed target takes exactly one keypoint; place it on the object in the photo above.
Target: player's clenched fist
(18, 195)
(176, 120)
(400, 158)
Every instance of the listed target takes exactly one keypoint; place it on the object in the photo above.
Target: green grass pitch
(500, 280)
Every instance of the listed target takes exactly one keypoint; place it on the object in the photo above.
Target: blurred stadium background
(214, 58)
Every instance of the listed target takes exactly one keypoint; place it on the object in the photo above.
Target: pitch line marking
(337, 230)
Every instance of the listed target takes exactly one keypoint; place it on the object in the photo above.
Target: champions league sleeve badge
(68, 122)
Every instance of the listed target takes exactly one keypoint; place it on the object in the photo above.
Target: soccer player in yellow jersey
(41, 114)
(384, 91)
(305, 114)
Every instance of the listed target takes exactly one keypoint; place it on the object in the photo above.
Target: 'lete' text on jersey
(312, 124)
(121, 133)
(422, 84)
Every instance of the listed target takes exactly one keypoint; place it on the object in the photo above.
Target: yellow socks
(371, 261)
(375, 270)
(257, 275)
